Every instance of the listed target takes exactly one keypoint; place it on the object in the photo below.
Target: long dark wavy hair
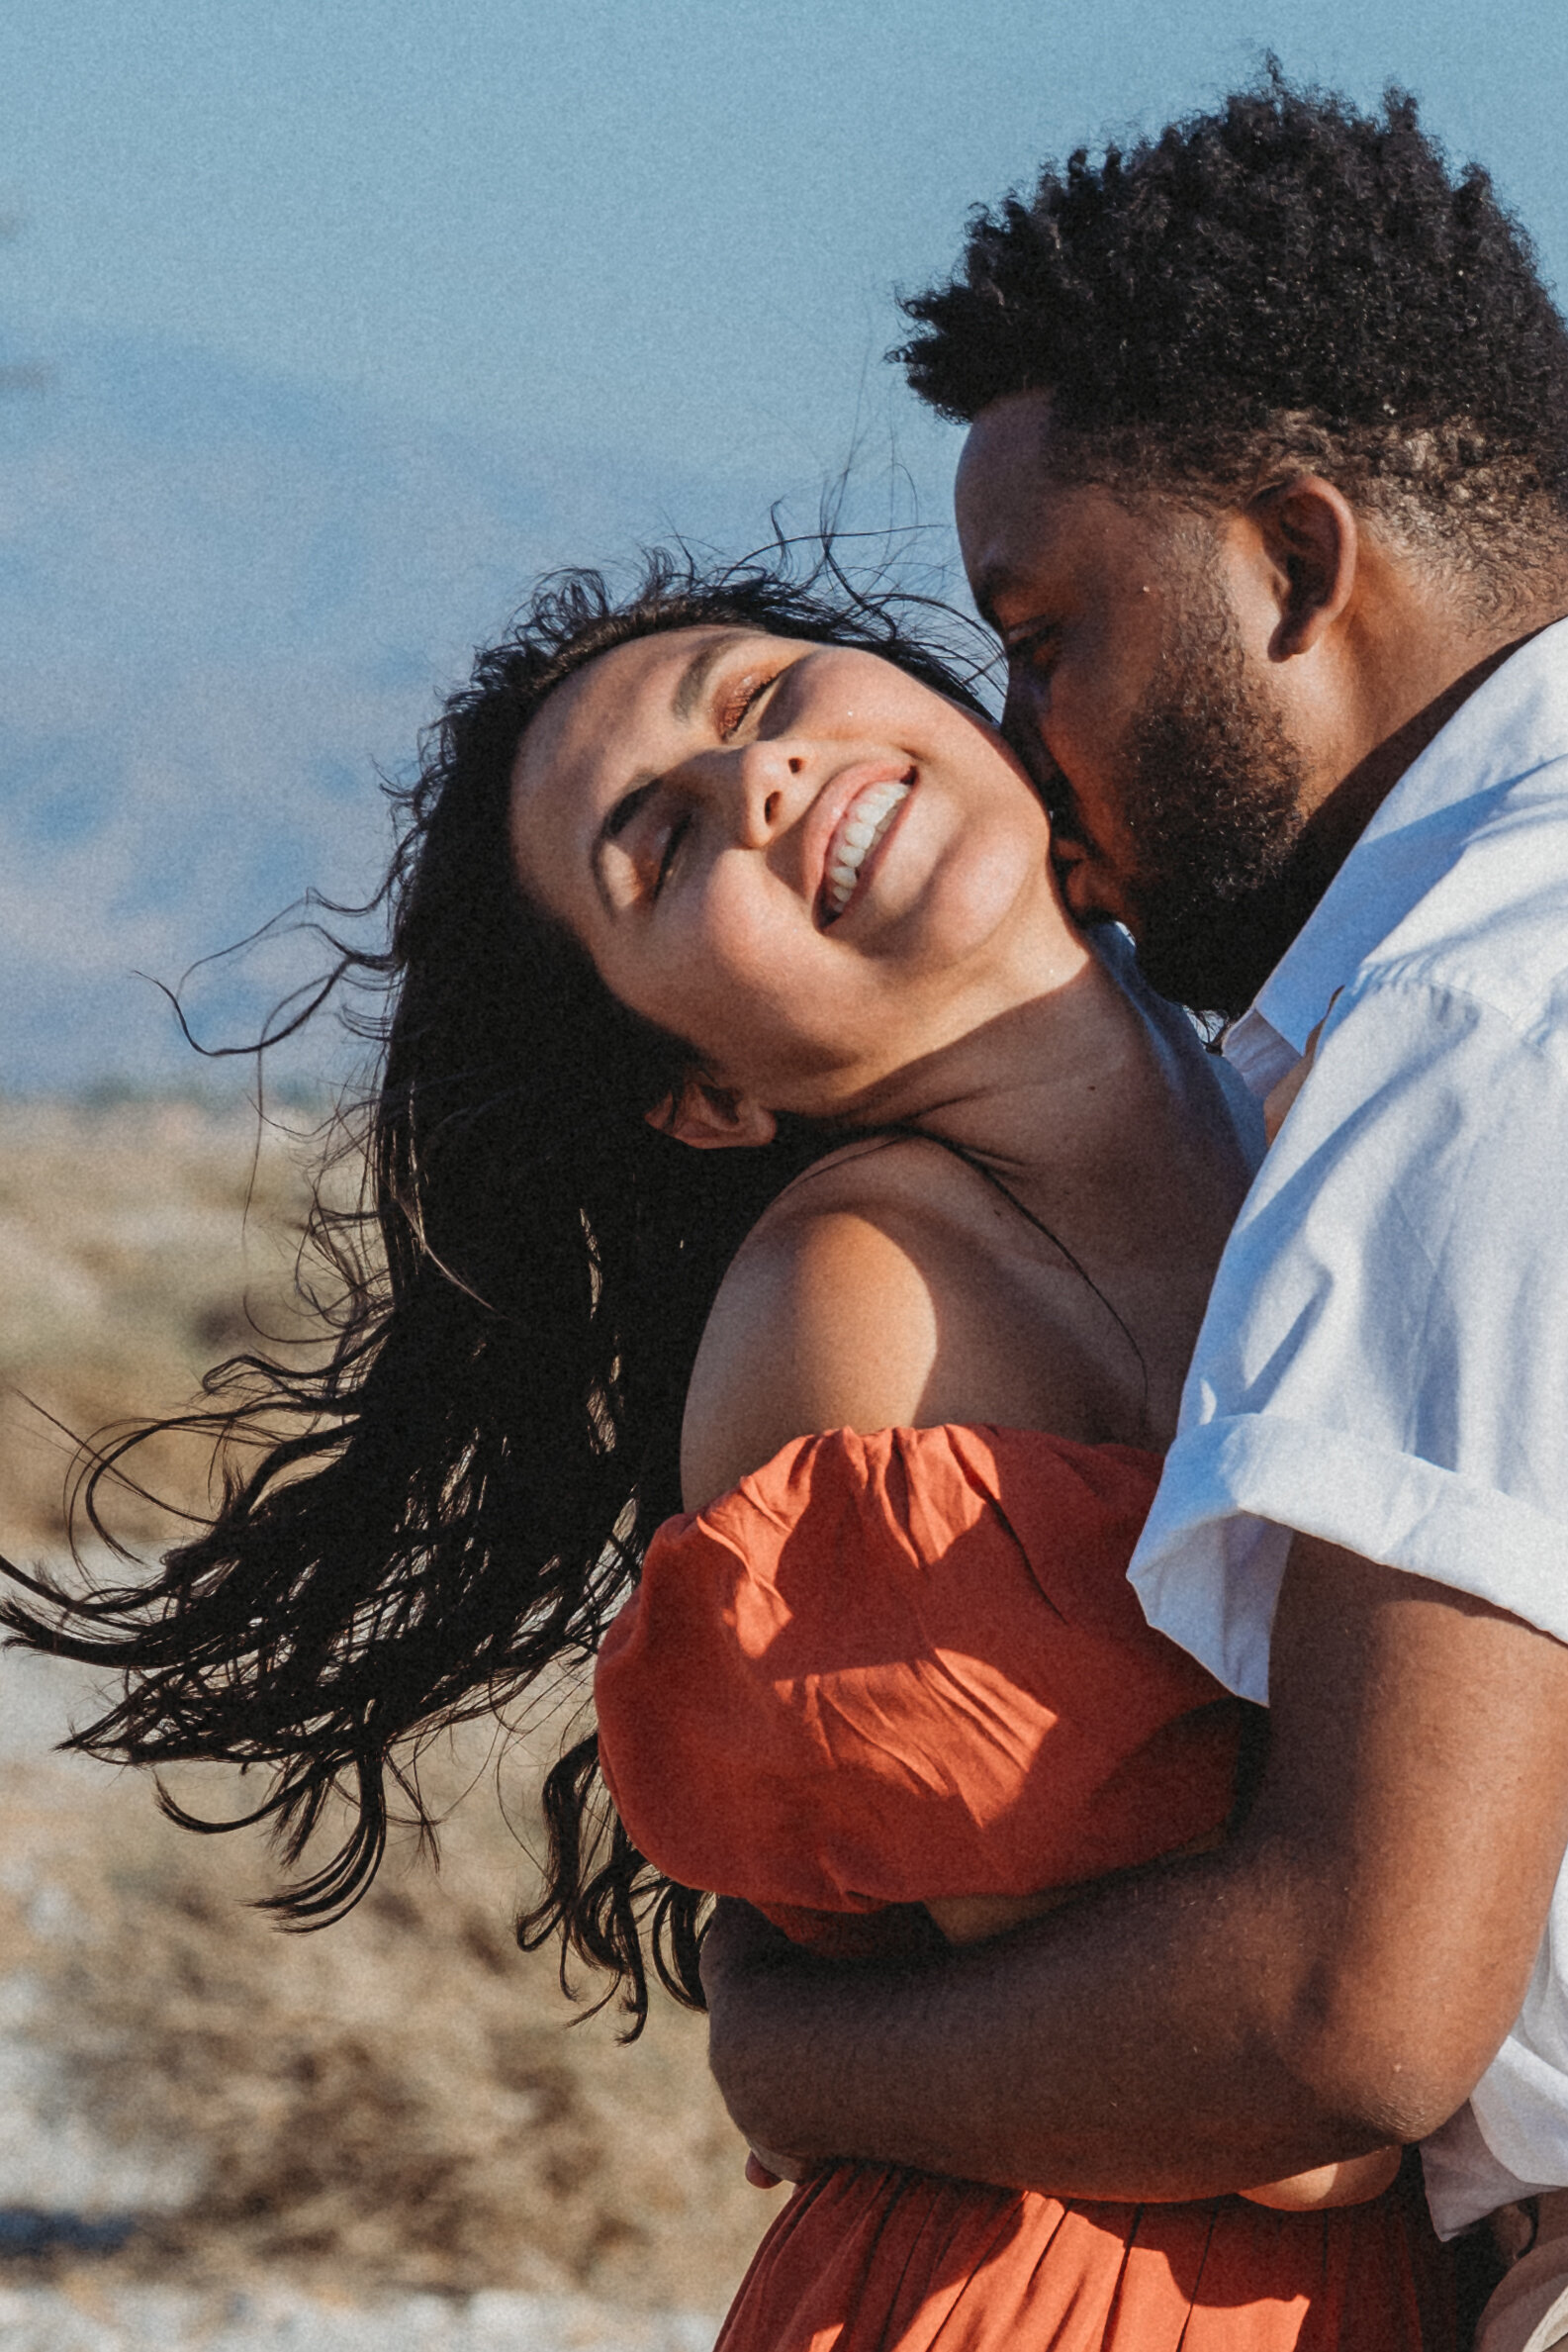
(452, 1505)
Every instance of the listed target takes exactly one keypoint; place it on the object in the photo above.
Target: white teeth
(873, 813)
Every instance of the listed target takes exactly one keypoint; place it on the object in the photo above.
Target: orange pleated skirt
(865, 2258)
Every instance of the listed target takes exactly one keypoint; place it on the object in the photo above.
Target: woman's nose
(769, 789)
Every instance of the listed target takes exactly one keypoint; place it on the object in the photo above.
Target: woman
(715, 889)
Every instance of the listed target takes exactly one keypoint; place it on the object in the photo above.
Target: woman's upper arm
(824, 1321)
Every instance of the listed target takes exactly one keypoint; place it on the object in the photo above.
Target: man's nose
(1021, 723)
(1022, 728)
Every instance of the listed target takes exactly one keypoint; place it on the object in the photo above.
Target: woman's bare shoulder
(841, 1310)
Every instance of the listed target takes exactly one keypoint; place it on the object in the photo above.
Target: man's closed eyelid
(1030, 637)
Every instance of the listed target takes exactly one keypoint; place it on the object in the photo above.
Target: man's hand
(1335, 1978)
(739, 1942)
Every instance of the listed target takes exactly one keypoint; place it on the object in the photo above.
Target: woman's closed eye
(738, 697)
(678, 833)
(647, 827)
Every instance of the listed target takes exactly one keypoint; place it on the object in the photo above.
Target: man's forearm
(1059, 2055)
(1339, 1976)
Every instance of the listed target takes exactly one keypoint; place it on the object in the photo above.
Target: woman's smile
(857, 840)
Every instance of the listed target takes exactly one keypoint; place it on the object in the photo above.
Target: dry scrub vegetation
(139, 1245)
(400, 2099)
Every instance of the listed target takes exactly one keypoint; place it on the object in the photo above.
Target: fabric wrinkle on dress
(886, 1669)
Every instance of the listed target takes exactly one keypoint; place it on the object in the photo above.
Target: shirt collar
(1516, 720)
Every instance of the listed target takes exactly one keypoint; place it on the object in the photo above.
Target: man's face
(1175, 789)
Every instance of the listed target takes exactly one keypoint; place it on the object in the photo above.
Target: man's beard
(1211, 793)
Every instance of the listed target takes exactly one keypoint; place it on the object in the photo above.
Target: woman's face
(795, 856)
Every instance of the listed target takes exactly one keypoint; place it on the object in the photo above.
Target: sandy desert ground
(389, 2133)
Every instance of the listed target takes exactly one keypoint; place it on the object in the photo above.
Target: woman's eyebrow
(619, 817)
(694, 677)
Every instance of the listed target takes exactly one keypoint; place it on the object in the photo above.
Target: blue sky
(358, 312)
(667, 225)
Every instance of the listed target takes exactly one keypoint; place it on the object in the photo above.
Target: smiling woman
(805, 862)
(832, 1447)
(457, 1500)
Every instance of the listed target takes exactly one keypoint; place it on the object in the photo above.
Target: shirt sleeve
(1384, 1362)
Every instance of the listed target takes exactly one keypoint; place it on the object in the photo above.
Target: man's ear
(1309, 532)
(713, 1118)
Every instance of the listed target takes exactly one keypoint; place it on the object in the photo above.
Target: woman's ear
(713, 1118)
(1309, 534)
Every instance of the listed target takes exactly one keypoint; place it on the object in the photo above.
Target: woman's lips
(865, 819)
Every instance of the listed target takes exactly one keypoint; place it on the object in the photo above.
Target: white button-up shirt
(1384, 1362)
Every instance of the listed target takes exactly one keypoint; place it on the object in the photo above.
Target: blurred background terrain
(192, 2103)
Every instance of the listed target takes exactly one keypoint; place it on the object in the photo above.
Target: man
(1266, 495)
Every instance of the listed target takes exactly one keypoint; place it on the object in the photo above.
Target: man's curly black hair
(1285, 283)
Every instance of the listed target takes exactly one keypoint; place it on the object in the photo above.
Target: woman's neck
(1108, 1132)
(1041, 1091)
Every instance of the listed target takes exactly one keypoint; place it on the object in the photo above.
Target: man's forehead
(1022, 522)
(1014, 514)
(1013, 432)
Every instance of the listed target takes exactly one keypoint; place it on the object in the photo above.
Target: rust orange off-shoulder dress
(891, 1668)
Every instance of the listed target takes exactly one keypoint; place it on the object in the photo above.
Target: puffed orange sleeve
(890, 1668)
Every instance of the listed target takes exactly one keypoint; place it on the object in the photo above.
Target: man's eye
(1033, 648)
(739, 699)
